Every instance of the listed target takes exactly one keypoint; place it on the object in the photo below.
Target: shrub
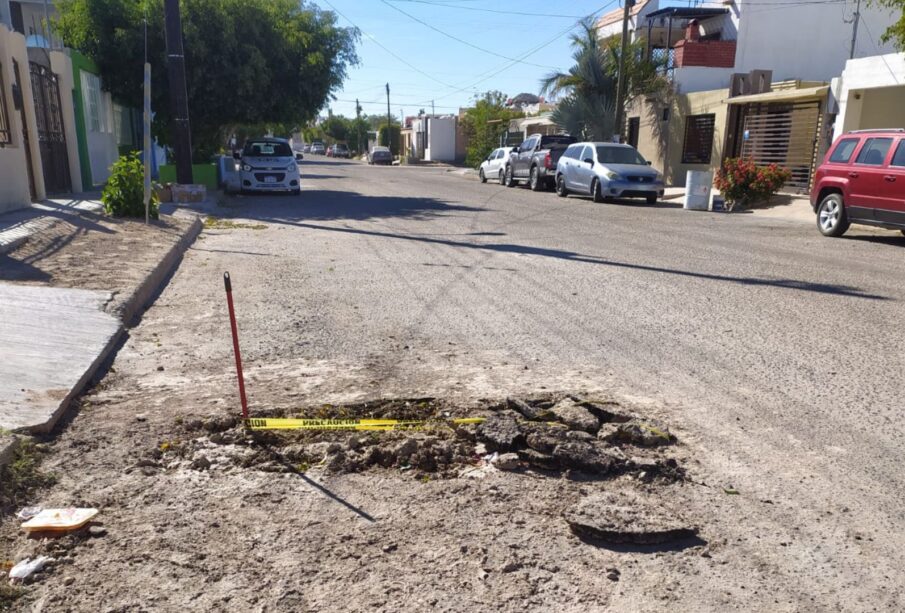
(124, 193)
(742, 182)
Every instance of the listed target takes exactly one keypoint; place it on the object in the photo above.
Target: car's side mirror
(237, 155)
(589, 161)
(515, 150)
(299, 157)
(649, 162)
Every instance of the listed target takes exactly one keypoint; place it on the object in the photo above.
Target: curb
(7, 246)
(144, 293)
(137, 302)
(8, 447)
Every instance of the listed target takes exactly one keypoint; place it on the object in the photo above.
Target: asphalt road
(775, 355)
(778, 353)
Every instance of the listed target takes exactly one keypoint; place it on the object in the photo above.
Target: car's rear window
(874, 151)
(899, 158)
(554, 139)
(258, 149)
(844, 150)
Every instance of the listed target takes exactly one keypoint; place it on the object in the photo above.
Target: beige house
(784, 123)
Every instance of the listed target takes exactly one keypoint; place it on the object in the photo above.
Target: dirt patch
(216, 223)
(88, 250)
(555, 434)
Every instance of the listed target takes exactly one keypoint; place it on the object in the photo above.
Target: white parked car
(605, 171)
(494, 166)
(269, 165)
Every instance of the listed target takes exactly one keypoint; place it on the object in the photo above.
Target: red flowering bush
(742, 182)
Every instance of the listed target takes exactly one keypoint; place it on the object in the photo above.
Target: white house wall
(870, 94)
(805, 41)
(441, 139)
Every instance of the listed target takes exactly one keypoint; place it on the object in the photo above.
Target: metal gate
(51, 136)
(784, 134)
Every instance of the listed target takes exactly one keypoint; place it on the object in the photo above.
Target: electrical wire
(462, 41)
(879, 51)
(385, 48)
(483, 10)
(528, 53)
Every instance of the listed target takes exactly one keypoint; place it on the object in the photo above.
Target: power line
(524, 55)
(474, 8)
(879, 51)
(459, 40)
(382, 46)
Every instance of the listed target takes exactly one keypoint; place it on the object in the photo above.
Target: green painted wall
(203, 174)
(80, 63)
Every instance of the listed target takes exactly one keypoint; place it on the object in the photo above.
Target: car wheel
(651, 199)
(483, 178)
(831, 217)
(534, 180)
(596, 192)
(509, 180)
(561, 190)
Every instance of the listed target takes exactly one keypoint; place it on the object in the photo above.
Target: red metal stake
(232, 323)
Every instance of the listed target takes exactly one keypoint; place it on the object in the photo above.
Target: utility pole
(358, 124)
(620, 83)
(179, 103)
(433, 110)
(389, 122)
(855, 19)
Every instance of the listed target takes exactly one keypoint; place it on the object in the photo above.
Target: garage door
(784, 134)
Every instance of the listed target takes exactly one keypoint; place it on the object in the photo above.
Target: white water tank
(697, 189)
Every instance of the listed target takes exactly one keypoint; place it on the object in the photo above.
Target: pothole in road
(633, 459)
(553, 434)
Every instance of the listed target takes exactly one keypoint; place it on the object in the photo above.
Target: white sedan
(494, 164)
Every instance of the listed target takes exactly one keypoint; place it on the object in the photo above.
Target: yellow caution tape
(286, 423)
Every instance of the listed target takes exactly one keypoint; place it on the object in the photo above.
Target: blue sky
(448, 65)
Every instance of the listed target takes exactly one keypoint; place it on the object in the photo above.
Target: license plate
(270, 179)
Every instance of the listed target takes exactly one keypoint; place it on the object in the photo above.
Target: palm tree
(588, 105)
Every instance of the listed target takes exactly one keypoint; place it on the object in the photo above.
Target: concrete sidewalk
(71, 281)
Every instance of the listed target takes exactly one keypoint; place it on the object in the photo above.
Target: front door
(51, 135)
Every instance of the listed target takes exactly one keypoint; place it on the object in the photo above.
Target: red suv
(862, 180)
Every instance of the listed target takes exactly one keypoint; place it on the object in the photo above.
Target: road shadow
(308, 175)
(325, 162)
(327, 205)
(290, 468)
(422, 208)
(893, 240)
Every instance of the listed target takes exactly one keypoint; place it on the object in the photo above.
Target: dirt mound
(554, 433)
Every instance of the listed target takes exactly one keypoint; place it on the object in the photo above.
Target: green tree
(484, 123)
(895, 32)
(337, 127)
(247, 61)
(588, 107)
(394, 134)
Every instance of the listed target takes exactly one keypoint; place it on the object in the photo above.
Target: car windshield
(619, 155)
(340, 147)
(266, 148)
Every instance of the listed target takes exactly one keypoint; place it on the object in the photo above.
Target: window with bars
(95, 111)
(698, 139)
(6, 133)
